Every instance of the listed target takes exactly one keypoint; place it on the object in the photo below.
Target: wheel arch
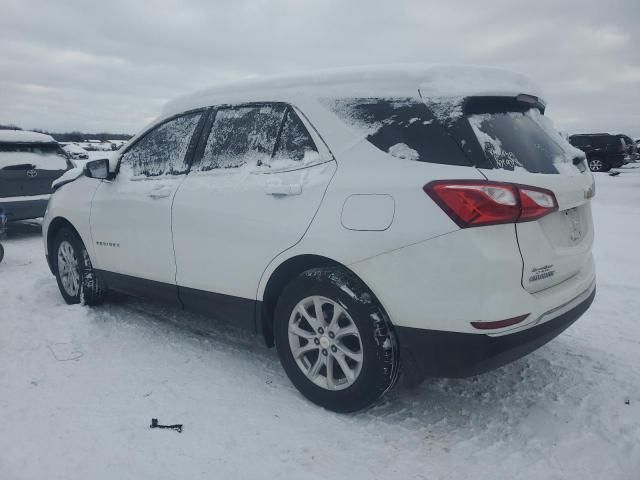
(279, 279)
(55, 226)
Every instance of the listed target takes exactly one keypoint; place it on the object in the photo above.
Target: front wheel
(334, 340)
(74, 273)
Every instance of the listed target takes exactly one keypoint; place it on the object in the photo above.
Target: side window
(242, 135)
(295, 142)
(162, 150)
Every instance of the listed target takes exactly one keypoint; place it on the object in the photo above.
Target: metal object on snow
(155, 424)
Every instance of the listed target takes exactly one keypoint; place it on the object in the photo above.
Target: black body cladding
(434, 353)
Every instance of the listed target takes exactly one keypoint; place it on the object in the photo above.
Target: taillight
(473, 203)
(535, 203)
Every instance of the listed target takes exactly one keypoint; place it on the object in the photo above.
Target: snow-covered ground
(79, 386)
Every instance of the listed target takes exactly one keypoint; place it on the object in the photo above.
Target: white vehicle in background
(75, 151)
(29, 163)
(423, 220)
(96, 145)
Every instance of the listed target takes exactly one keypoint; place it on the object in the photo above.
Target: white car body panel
(235, 232)
(557, 246)
(131, 225)
(72, 203)
(416, 218)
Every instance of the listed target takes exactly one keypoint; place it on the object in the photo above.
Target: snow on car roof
(23, 136)
(366, 81)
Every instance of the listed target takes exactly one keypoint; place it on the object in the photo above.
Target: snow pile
(464, 81)
(402, 150)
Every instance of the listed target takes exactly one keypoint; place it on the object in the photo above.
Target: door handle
(284, 189)
(160, 193)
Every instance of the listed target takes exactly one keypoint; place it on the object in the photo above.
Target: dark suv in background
(604, 151)
(29, 163)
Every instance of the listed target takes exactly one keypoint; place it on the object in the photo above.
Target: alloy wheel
(68, 268)
(325, 343)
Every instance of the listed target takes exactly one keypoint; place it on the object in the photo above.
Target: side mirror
(98, 169)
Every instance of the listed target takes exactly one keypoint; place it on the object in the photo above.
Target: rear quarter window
(45, 156)
(404, 128)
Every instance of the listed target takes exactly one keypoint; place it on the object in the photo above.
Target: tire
(337, 291)
(79, 284)
(1, 252)
(598, 165)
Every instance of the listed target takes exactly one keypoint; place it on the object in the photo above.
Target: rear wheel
(598, 165)
(335, 341)
(74, 273)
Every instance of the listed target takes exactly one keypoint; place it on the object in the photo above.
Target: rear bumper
(24, 208)
(433, 353)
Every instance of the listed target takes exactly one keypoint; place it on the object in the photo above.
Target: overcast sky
(111, 65)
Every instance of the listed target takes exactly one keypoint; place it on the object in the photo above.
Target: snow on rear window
(405, 128)
(162, 150)
(402, 150)
(526, 140)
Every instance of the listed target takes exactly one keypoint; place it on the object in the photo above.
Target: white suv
(423, 220)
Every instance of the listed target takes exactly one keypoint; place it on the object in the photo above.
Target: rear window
(402, 127)
(39, 148)
(510, 135)
(521, 140)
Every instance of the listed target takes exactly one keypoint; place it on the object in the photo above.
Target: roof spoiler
(499, 104)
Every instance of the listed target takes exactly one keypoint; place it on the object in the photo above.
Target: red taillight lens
(472, 203)
(535, 203)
